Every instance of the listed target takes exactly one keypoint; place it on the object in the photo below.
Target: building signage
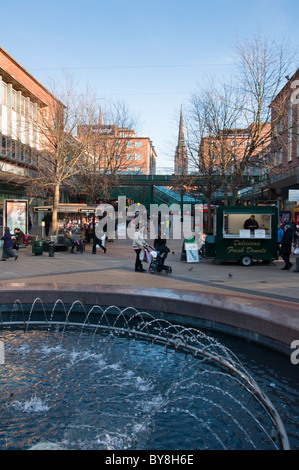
(97, 129)
(246, 247)
(293, 195)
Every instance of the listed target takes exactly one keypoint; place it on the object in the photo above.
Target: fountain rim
(259, 323)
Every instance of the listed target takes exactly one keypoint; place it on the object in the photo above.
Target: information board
(192, 255)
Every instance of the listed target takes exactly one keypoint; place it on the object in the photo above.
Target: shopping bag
(147, 257)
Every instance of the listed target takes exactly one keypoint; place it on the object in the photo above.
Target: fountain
(105, 377)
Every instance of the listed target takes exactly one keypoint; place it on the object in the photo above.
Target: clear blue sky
(150, 54)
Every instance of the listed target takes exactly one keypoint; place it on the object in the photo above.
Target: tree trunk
(55, 209)
(209, 211)
(234, 197)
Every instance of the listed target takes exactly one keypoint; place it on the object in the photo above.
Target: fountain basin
(173, 306)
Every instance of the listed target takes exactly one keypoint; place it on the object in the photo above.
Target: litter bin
(38, 247)
(210, 246)
(51, 249)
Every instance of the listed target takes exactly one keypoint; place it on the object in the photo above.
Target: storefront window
(246, 225)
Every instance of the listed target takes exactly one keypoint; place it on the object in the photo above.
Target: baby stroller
(157, 262)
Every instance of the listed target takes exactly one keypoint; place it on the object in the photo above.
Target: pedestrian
(296, 253)
(138, 245)
(286, 246)
(48, 220)
(280, 233)
(7, 246)
(69, 239)
(98, 243)
(294, 230)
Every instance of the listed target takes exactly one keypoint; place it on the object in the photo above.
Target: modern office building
(22, 101)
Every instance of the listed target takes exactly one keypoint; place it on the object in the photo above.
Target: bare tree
(60, 156)
(107, 150)
(261, 69)
(229, 125)
(213, 109)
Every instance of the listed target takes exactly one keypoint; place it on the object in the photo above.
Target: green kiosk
(244, 234)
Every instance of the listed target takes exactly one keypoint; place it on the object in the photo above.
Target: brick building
(285, 143)
(283, 151)
(121, 146)
(225, 151)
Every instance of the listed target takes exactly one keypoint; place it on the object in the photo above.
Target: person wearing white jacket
(138, 245)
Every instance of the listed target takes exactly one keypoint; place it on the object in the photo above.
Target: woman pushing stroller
(138, 245)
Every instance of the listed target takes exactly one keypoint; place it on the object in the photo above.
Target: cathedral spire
(180, 158)
(181, 128)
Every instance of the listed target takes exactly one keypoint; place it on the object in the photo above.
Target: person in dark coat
(251, 224)
(7, 246)
(48, 220)
(160, 245)
(19, 238)
(286, 247)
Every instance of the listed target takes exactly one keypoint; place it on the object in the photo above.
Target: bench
(59, 243)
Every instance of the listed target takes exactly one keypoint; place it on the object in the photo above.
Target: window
(280, 125)
(13, 149)
(280, 156)
(31, 106)
(4, 145)
(130, 156)
(23, 106)
(4, 94)
(138, 145)
(130, 145)
(137, 156)
(13, 100)
(233, 226)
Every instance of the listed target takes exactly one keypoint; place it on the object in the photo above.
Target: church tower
(180, 158)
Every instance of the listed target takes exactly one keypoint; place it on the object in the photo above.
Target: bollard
(51, 249)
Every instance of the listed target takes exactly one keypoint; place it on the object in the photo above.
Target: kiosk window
(246, 226)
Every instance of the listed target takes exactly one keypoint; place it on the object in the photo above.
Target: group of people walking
(288, 240)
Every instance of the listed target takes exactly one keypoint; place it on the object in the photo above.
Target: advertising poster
(285, 217)
(16, 214)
